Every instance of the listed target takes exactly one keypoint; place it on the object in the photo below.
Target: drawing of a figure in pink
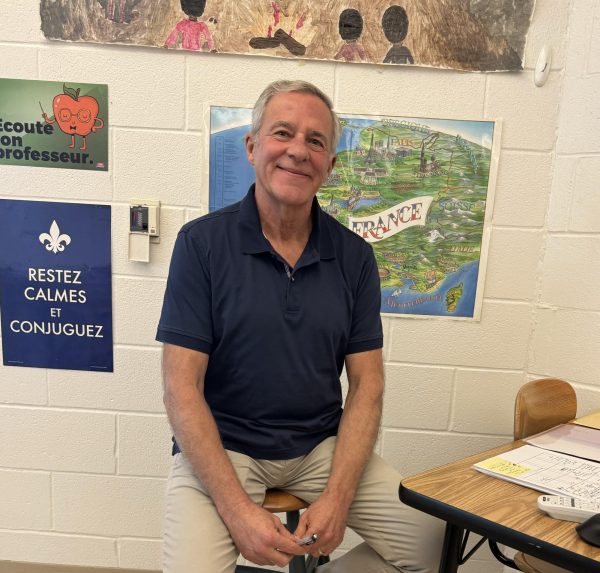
(277, 36)
(190, 30)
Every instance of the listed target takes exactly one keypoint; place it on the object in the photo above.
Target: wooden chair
(540, 405)
(278, 501)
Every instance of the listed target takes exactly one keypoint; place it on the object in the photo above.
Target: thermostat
(144, 217)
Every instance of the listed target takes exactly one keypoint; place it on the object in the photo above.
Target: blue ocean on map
(434, 302)
(351, 133)
(230, 173)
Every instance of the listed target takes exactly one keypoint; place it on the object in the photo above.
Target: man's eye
(316, 143)
(281, 133)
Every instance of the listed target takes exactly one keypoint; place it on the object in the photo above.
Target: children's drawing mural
(419, 190)
(472, 35)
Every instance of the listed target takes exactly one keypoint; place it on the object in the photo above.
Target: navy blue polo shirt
(277, 337)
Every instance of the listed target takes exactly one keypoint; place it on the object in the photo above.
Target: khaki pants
(397, 537)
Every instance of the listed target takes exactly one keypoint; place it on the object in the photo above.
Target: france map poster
(55, 285)
(419, 190)
(54, 124)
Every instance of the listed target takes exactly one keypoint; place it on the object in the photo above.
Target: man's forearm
(354, 445)
(198, 437)
(357, 432)
(260, 536)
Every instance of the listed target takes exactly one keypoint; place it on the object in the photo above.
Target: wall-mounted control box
(144, 217)
(144, 228)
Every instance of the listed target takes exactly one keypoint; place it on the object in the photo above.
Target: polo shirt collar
(254, 242)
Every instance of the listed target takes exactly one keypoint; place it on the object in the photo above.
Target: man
(266, 300)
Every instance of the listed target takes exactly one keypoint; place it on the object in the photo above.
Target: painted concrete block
(25, 501)
(411, 453)
(163, 164)
(484, 401)
(522, 189)
(498, 340)
(570, 273)
(513, 263)
(140, 554)
(417, 397)
(135, 384)
(108, 505)
(529, 113)
(53, 548)
(136, 309)
(144, 445)
(61, 440)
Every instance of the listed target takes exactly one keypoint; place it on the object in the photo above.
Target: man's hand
(327, 518)
(261, 537)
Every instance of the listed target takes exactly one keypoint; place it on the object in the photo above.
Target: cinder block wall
(84, 455)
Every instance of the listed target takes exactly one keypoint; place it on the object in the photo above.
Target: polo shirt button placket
(291, 295)
(288, 272)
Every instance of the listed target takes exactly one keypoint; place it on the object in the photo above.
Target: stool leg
(313, 562)
(292, 518)
(297, 564)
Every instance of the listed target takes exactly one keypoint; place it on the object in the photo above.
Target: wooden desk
(497, 509)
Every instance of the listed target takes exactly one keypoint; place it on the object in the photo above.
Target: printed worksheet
(546, 471)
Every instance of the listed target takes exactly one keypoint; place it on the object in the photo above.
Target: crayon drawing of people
(120, 11)
(278, 34)
(395, 28)
(350, 28)
(190, 30)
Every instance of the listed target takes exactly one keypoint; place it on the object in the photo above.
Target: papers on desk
(591, 420)
(546, 471)
(579, 441)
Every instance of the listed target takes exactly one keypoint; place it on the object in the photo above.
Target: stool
(278, 501)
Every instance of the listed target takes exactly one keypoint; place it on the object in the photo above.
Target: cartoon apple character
(75, 114)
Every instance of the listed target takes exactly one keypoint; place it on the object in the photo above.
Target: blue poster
(55, 285)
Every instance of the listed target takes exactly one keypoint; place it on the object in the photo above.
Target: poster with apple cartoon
(54, 124)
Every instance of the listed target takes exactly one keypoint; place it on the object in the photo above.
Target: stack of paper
(591, 420)
(546, 471)
(580, 441)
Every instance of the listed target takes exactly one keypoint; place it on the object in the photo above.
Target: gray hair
(295, 86)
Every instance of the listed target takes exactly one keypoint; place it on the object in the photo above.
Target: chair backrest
(542, 404)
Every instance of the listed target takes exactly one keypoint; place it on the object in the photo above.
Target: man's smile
(293, 171)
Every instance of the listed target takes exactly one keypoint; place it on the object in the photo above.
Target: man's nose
(298, 148)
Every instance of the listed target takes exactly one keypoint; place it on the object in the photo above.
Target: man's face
(291, 151)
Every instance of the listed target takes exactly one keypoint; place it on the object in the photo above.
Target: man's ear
(249, 142)
(332, 165)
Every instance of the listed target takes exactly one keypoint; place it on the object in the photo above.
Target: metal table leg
(451, 549)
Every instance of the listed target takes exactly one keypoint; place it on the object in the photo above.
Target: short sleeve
(366, 331)
(186, 317)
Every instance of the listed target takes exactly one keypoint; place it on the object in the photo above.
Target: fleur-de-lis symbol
(55, 239)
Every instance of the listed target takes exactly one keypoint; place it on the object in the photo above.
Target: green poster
(54, 124)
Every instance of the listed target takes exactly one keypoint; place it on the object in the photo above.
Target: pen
(309, 540)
